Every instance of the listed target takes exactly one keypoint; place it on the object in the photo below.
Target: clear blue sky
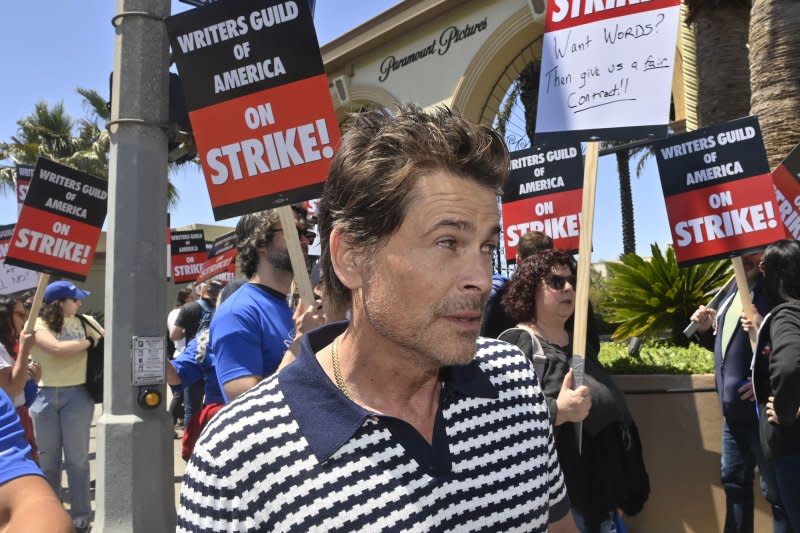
(51, 47)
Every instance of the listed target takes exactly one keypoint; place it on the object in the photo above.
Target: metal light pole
(135, 490)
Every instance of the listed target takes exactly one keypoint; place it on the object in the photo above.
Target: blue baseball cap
(59, 290)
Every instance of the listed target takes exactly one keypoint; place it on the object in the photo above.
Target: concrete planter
(680, 425)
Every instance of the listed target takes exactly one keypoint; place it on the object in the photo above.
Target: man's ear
(347, 259)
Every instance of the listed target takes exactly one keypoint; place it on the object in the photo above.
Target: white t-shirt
(180, 344)
(6, 361)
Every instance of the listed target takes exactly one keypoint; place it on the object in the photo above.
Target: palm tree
(775, 74)
(657, 297)
(716, 68)
(51, 133)
(46, 132)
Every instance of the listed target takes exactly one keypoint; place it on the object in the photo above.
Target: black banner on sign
(221, 53)
(223, 244)
(538, 171)
(187, 242)
(711, 156)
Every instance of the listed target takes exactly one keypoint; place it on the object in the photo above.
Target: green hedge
(657, 357)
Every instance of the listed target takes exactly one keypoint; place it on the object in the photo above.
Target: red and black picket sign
(787, 190)
(188, 253)
(60, 221)
(718, 190)
(24, 175)
(543, 193)
(259, 102)
(221, 262)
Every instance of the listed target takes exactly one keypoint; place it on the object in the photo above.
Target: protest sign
(24, 175)
(221, 262)
(188, 253)
(718, 190)
(543, 193)
(787, 190)
(259, 102)
(13, 279)
(60, 222)
(606, 70)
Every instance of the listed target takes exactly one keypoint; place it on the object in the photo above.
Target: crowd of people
(416, 392)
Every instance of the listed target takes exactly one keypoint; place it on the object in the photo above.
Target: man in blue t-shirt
(253, 328)
(27, 503)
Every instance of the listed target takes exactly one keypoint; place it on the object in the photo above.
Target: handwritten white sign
(13, 279)
(606, 70)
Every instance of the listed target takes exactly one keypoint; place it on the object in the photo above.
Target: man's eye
(446, 243)
(489, 248)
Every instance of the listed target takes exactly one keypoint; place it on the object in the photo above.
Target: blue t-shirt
(14, 450)
(250, 332)
(191, 370)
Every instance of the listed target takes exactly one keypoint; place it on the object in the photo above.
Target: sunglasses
(308, 234)
(556, 282)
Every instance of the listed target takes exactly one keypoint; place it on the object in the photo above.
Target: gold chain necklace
(337, 372)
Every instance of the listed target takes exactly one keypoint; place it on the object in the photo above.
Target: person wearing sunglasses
(541, 298)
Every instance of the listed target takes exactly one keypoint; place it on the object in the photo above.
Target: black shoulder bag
(94, 363)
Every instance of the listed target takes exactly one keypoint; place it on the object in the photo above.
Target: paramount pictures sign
(440, 46)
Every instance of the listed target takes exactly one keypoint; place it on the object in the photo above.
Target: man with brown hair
(253, 328)
(401, 419)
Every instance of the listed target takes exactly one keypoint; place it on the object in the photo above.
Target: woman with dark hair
(16, 368)
(776, 372)
(608, 472)
(62, 412)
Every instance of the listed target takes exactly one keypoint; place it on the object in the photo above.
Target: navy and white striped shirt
(294, 454)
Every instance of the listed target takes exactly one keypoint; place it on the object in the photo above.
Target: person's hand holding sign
(751, 319)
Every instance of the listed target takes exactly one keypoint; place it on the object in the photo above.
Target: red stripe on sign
(788, 194)
(220, 264)
(562, 14)
(557, 215)
(187, 267)
(268, 142)
(724, 219)
(51, 241)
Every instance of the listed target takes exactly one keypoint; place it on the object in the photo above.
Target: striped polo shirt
(294, 454)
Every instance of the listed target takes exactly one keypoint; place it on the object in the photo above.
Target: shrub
(657, 357)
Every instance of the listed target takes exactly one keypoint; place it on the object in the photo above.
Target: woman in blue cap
(62, 412)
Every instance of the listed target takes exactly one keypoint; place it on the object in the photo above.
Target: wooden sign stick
(296, 256)
(44, 279)
(744, 295)
(584, 268)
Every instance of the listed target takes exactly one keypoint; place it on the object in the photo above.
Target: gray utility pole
(135, 490)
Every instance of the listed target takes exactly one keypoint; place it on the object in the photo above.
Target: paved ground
(177, 460)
